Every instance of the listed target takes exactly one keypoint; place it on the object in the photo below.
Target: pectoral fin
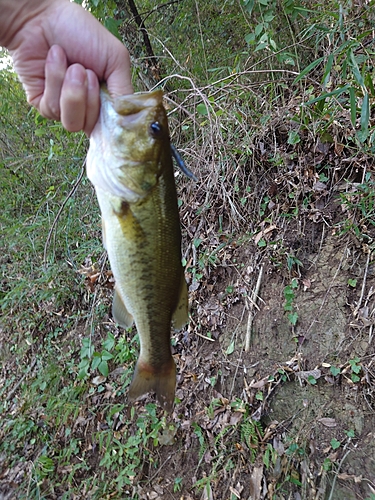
(103, 234)
(181, 314)
(121, 315)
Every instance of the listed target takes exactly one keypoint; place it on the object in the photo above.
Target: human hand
(60, 53)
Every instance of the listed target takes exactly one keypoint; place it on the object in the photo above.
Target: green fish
(129, 162)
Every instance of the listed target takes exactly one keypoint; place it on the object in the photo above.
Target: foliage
(289, 295)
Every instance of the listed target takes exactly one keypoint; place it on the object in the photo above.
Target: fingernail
(55, 54)
(77, 74)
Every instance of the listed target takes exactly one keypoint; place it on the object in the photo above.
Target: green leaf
(259, 29)
(335, 443)
(327, 70)
(327, 464)
(230, 348)
(103, 368)
(356, 368)
(96, 361)
(370, 84)
(311, 380)
(106, 355)
(352, 282)
(293, 137)
(365, 116)
(335, 371)
(308, 68)
(262, 243)
(259, 396)
(350, 433)
(353, 106)
(356, 73)
(112, 26)
(202, 109)
(250, 38)
(293, 318)
(109, 342)
(335, 92)
(249, 5)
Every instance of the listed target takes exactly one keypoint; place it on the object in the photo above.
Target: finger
(73, 98)
(118, 73)
(92, 103)
(55, 69)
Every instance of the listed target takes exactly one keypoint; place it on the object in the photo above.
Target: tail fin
(161, 380)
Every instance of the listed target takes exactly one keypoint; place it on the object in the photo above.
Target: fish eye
(156, 130)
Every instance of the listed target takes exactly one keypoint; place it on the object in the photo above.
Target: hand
(61, 52)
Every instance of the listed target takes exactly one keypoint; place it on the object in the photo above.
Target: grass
(276, 135)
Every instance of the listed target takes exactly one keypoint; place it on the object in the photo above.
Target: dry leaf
(328, 422)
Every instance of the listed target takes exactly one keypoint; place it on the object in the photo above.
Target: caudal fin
(162, 381)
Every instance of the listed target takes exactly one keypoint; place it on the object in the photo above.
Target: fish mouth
(131, 111)
(134, 103)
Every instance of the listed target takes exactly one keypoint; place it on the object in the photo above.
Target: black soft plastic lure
(181, 164)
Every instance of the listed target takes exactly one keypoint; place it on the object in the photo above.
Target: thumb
(118, 73)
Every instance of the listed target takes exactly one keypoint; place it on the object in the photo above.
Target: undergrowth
(271, 105)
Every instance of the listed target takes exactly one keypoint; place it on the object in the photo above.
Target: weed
(289, 295)
(356, 369)
(92, 360)
(335, 371)
(251, 432)
(177, 485)
(335, 443)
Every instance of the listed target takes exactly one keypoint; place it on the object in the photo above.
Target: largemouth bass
(130, 164)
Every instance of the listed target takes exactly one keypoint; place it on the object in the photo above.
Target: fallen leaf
(98, 380)
(328, 422)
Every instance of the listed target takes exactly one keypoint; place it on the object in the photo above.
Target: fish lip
(133, 103)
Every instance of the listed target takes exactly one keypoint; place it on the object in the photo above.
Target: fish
(130, 164)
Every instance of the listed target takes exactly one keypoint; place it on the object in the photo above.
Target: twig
(338, 470)
(59, 213)
(203, 337)
(254, 297)
(363, 286)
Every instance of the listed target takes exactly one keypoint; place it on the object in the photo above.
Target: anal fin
(181, 313)
(121, 315)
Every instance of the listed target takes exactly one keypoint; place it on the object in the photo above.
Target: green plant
(200, 435)
(92, 360)
(335, 443)
(359, 203)
(177, 485)
(335, 371)
(347, 64)
(327, 464)
(270, 456)
(251, 432)
(356, 369)
(289, 295)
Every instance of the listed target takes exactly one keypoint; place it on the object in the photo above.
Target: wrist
(15, 14)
